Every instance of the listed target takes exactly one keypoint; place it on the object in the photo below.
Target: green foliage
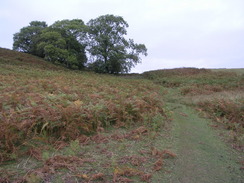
(33, 178)
(46, 155)
(158, 121)
(111, 52)
(65, 43)
(75, 28)
(74, 148)
(26, 40)
(74, 32)
(60, 43)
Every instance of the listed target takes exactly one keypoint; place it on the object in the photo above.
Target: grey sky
(177, 33)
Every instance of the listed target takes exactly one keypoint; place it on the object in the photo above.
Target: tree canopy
(70, 42)
(111, 52)
(26, 40)
(60, 43)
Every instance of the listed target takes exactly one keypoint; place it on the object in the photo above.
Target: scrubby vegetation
(229, 112)
(218, 93)
(192, 81)
(62, 104)
(45, 108)
(61, 125)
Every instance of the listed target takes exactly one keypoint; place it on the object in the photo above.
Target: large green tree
(61, 43)
(66, 42)
(109, 50)
(75, 28)
(26, 40)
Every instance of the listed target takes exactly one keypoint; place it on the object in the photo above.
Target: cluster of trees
(99, 45)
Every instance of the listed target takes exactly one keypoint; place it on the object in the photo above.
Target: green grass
(216, 92)
(202, 156)
(111, 154)
(238, 71)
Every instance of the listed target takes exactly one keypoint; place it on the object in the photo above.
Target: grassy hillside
(50, 114)
(238, 71)
(59, 125)
(219, 93)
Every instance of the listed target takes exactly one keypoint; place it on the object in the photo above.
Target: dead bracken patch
(162, 154)
(122, 174)
(158, 164)
(45, 103)
(133, 160)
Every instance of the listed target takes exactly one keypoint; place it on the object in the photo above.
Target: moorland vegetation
(217, 93)
(64, 125)
(52, 114)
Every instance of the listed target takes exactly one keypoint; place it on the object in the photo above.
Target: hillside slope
(205, 147)
(14, 58)
(51, 116)
(59, 125)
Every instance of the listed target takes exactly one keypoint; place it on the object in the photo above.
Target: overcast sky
(177, 33)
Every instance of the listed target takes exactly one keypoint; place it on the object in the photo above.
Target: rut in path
(202, 156)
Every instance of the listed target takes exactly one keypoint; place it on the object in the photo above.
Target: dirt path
(202, 156)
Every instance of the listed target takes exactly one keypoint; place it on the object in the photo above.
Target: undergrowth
(228, 114)
(218, 93)
(192, 81)
(42, 103)
(59, 125)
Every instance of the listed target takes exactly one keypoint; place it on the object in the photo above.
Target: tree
(61, 43)
(74, 32)
(65, 42)
(75, 28)
(52, 45)
(110, 52)
(26, 40)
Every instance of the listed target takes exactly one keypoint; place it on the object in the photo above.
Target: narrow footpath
(202, 156)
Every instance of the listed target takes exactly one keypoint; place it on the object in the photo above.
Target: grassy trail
(202, 156)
